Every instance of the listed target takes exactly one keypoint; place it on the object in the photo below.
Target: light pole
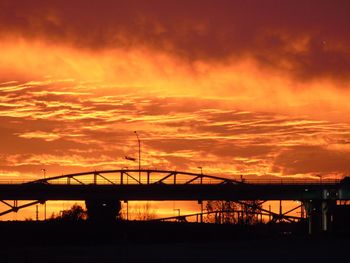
(139, 142)
(44, 171)
(201, 201)
(37, 212)
(127, 201)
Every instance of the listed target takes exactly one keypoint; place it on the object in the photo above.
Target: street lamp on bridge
(139, 142)
(44, 171)
(201, 201)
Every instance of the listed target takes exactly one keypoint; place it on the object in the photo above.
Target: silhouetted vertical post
(201, 202)
(202, 212)
(139, 142)
(37, 212)
(44, 170)
(280, 217)
(302, 210)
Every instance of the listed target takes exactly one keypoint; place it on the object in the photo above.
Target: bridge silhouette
(100, 187)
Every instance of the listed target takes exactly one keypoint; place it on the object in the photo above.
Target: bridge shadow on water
(165, 242)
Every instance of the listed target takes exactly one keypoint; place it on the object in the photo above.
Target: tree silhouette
(75, 213)
(143, 211)
(225, 212)
(230, 212)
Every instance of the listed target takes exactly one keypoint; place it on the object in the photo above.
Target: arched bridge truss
(132, 177)
(118, 177)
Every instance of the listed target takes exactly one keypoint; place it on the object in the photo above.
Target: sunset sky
(258, 88)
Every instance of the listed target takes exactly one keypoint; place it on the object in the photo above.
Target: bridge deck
(40, 191)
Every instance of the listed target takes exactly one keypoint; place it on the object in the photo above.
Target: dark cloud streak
(198, 30)
(312, 159)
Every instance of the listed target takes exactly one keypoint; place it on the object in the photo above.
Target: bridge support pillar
(328, 208)
(320, 215)
(314, 214)
(103, 210)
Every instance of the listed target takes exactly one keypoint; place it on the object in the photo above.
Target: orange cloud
(115, 71)
(203, 107)
(262, 96)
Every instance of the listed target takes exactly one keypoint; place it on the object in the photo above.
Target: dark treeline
(93, 233)
(140, 241)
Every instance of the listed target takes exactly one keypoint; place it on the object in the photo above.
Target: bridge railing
(86, 181)
(133, 177)
(292, 181)
(14, 181)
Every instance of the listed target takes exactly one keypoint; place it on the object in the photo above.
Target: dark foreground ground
(165, 242)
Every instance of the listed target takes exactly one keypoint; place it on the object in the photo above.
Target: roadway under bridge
(101, 187)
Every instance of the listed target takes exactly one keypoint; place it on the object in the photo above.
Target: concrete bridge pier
(328, 208)
(320, 215)
(103, 210)
(314, 215)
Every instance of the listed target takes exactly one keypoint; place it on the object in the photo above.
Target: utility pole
(139, 142)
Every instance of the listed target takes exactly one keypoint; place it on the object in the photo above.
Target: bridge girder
(161, 185)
